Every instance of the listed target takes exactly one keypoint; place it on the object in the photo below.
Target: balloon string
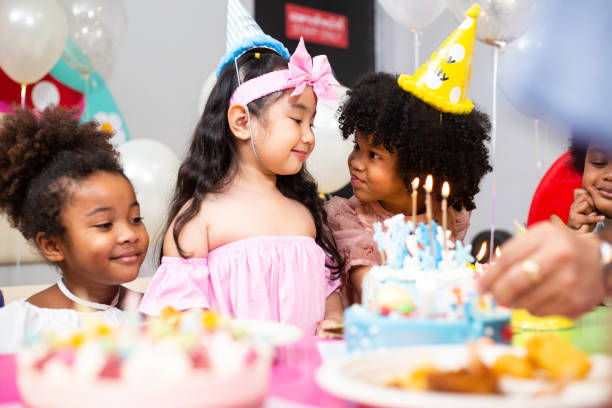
(23, 95)
(493, 137)
(17, 235)
(417, 47)
(536, 131)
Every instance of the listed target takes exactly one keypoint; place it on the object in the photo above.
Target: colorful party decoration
(65, 86)
(443, 81)
(95, 30)
(98, 98)
(45, 92)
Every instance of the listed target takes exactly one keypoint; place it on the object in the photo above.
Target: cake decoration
(424, 292)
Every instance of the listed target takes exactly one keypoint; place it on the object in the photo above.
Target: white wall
(170, 48)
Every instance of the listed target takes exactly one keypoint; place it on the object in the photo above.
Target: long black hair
(212, 161)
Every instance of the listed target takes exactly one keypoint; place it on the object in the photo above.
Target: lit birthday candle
(445, 193)
(415, 186)
(428, 187)
(481, 254)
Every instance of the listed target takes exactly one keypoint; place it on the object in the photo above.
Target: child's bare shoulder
(192, 237)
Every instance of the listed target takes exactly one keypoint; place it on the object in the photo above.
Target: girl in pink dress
(399, 137)
(248, 234)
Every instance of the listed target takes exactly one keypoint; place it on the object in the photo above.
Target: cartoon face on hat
(444, 80)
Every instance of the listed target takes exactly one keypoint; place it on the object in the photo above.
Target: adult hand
(583, 215)
(547, 270)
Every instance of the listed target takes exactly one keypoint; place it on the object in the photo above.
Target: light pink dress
(351, 222)
(280, 278)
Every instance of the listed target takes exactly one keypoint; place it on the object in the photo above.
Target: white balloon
(328, 161)
(499, 21)
(208, 85)
(152, 167)
(32, 36)
(414, 14)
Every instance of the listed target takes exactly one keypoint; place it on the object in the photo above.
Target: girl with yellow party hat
(408, 127)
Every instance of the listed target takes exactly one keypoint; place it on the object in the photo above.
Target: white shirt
(21, 317)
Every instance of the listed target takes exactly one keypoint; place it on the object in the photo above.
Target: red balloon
(555, 193)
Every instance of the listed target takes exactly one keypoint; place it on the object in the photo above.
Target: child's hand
(329, 323)
(583, 214)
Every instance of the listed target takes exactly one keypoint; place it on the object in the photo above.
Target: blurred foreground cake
(180, 359)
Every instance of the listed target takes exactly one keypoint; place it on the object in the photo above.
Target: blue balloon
(568, 78)
(515, 63)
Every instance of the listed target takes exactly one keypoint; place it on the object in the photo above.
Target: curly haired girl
(62, 186)
(399, 137)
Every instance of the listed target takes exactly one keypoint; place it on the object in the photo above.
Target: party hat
(443, 81)
(244, 34)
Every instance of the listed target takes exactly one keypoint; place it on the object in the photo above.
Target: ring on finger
(532, 269)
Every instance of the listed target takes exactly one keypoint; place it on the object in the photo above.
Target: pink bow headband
(303, 70)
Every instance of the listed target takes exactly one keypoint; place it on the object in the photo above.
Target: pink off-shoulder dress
(280, 278)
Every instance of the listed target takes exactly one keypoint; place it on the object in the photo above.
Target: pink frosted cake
(190, 359)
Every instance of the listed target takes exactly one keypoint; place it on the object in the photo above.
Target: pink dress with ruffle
(280, 278)
(351, 222)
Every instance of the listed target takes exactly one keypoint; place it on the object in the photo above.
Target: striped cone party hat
(244, 34)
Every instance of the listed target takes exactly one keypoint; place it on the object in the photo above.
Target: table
(291, 380)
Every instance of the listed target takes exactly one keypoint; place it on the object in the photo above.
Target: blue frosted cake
(423, 294)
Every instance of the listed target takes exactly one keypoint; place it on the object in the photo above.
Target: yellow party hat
(443, 81)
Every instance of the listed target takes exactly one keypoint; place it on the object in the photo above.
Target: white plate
(275, 333)
(360, 378)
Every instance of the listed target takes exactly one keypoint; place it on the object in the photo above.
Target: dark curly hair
(579, 144)
(41, 159)
(212, 161)
(449, 147)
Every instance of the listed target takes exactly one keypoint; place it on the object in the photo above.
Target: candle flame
(428, 183)
(415, 183)
(445, 189)
(497, 252)
(482, 252)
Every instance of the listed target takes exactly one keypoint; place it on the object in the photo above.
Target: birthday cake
(190, 359)
(425, 293)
